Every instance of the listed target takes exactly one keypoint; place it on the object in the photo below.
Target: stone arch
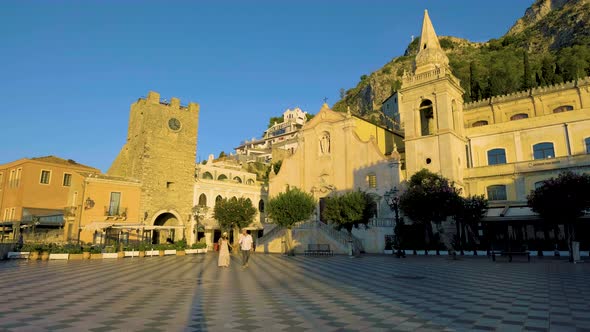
(237, 179)
(222, 177)
(426, 117)
(250, 181)
(167, 218)
(202, 200)
(218, 199)
(207, 176)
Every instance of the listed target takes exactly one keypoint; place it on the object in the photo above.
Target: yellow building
(104, 209)
(34, 194)
(337, 153)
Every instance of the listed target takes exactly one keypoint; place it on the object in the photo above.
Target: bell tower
(431, 105)
(160, 152)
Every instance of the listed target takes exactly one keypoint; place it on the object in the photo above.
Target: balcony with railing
(115, 212)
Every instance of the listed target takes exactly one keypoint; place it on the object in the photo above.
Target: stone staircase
(271, 241)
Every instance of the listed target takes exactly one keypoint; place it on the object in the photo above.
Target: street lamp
(393, 199)
(199, 211)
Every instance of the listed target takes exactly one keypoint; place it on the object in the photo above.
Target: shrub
(180, 245)
(199, 245)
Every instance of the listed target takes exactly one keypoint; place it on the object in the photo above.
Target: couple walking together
(245, 241)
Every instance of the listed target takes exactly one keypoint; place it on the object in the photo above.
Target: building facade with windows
(224, 179)
(34, 194)
(278, 141)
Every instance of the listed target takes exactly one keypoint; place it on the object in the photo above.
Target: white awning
(99, 225)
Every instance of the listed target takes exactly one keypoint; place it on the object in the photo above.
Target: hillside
(548, 45)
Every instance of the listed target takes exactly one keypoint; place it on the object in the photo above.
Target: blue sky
(71, 69)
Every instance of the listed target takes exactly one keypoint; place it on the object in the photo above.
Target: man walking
(245, 242)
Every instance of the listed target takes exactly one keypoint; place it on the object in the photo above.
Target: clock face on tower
(174, 124)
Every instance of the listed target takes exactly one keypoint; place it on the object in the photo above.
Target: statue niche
(325, 143)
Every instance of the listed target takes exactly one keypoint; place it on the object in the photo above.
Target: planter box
(388, 252)
(76, 256)
(192, 251)
(431, 252)
(564, 253)
(18, 254)
(203, 251)
(44, 256)
(170, 252)
(443, 252)
(59, 256)
(548, 253)
(110, 255)
(86, 255)
(131, 253)
(180, 253)
(584, 253)
(482, 253)
(152, 253)
(95, 256)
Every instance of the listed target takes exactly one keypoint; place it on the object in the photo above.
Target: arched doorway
(164, 235)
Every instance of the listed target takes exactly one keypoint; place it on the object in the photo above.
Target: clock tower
(160, 152)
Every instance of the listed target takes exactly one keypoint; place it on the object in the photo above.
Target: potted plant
(95, 252)
(86, 252)
(45, 250)
(141, 249)
(152, 250)
(131, 251)
(59, 252)
(180, 247)
(110, 252)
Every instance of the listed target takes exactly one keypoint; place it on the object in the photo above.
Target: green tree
(468, 213)
(221, 155)
(527, 77)
(234, 213)
(289, 207)
(562, 200)
(548, 70)
(349, 210)
(429, 198)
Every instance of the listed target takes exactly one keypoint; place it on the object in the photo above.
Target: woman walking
(223, 251)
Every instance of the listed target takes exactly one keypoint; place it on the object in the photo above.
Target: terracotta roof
(57, 160)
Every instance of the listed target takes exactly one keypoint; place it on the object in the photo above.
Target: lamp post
(199, 211)
(392, 198)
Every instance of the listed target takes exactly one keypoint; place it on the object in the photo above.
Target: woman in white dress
(223, 251)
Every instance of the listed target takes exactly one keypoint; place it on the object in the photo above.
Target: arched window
(587, 141)
(519, 116)
(202, 200)
(218, 199)
(480, 123)
(543, 150)
(426, 118)
(222, 177)
(497, 193)
(207, 176)
(261, 206)
(372, 180)
(563, 108)
(250, 181)
(496, 156)
(237, 179)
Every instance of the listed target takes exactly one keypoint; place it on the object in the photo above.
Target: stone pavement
(371, 293)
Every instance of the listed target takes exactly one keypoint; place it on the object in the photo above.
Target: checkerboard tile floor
(276, 293)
